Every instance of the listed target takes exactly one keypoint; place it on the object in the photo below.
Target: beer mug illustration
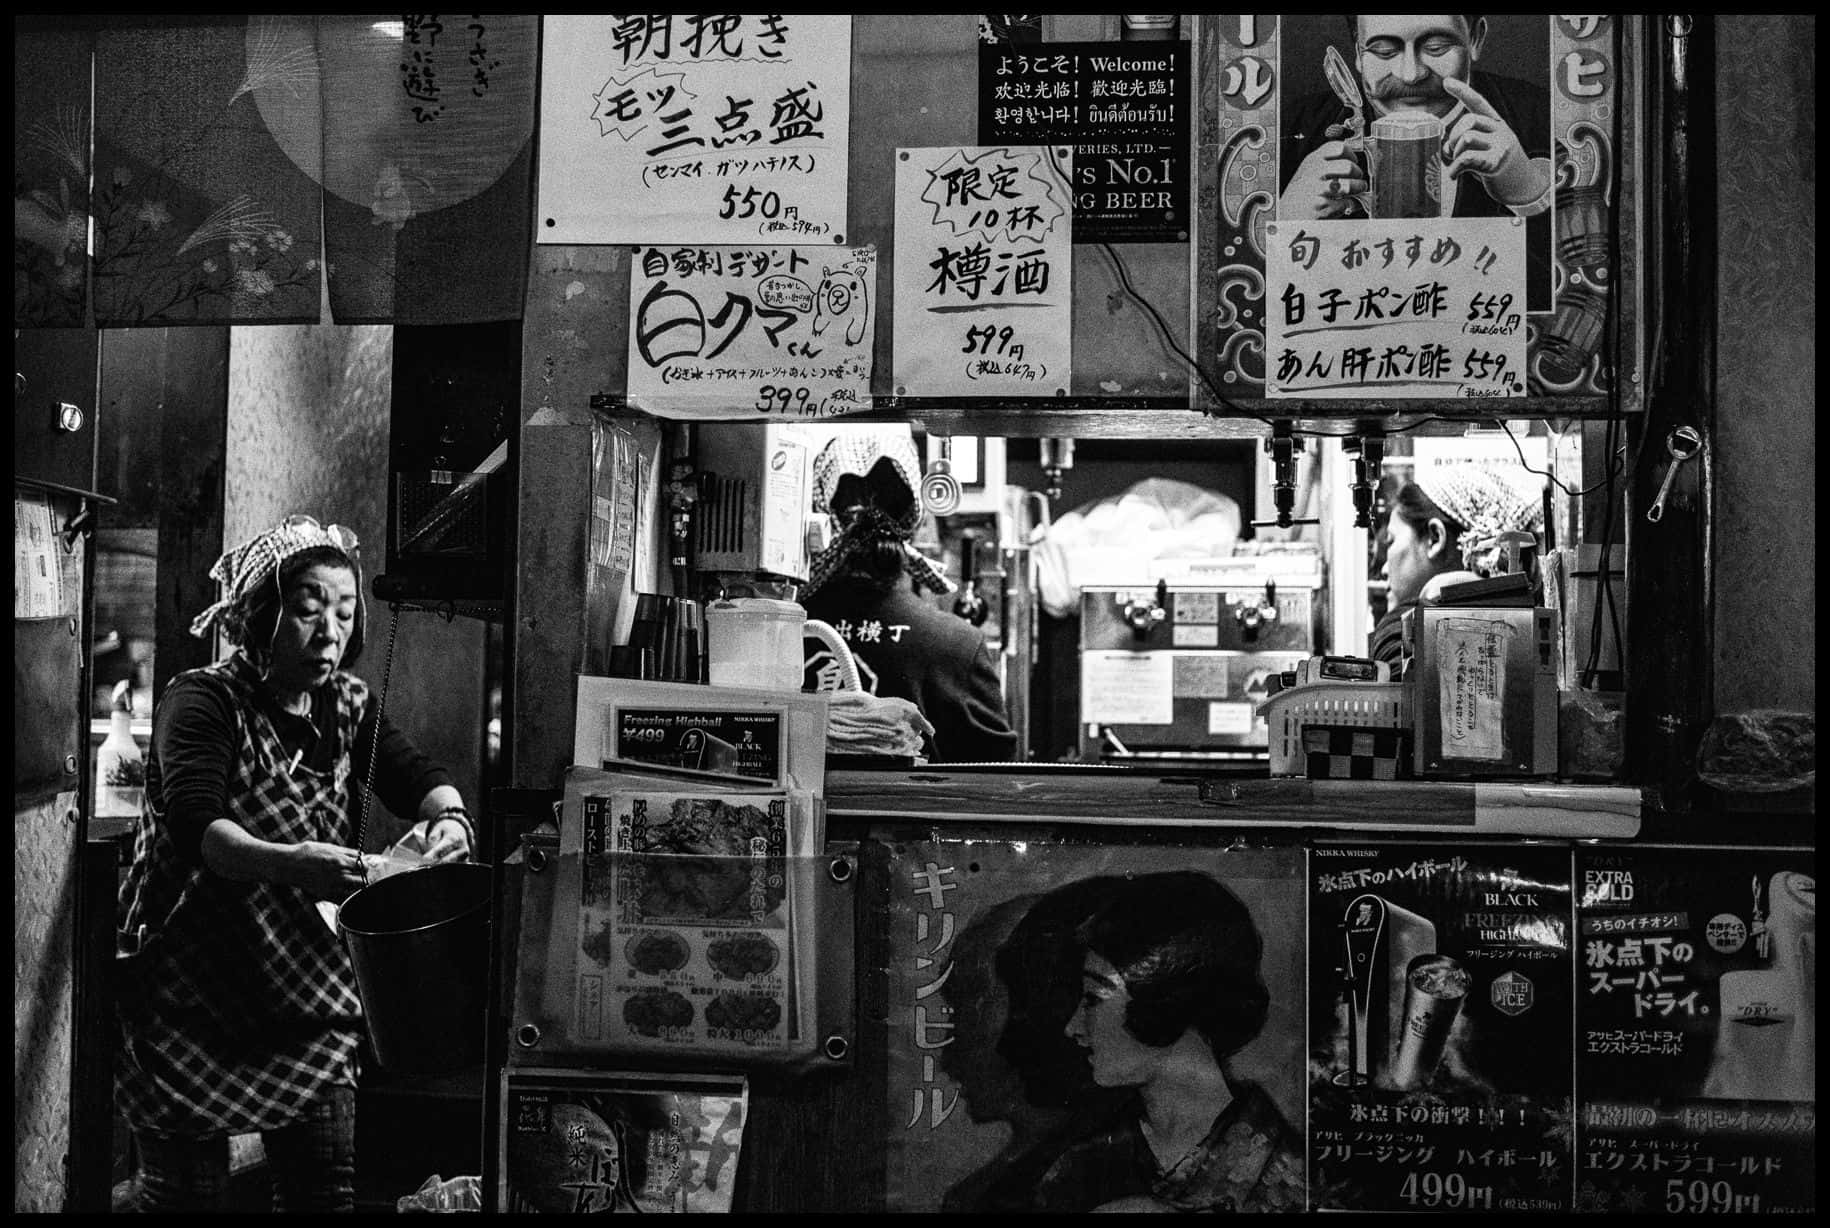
(1435, 987)
(1403, 152)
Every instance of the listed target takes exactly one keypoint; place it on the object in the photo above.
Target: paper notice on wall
(1471, 686)
(37, 569)
(664, 127)
(984, 271)
(771, 332)
(1127, 688)
(1393, 307)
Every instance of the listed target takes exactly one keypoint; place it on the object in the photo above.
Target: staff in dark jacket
(865, 585)
(239, 1008)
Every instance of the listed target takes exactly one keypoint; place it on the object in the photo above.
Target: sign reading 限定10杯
(984, 271)
(1395, 308)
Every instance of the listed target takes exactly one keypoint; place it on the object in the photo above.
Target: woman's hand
(448, 840)
(325, 871)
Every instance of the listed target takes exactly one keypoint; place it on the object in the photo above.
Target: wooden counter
(1049, 793)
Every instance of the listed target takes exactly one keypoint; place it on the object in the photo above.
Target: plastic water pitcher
(755, 642)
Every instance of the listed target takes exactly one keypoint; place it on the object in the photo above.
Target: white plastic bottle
(120, 771)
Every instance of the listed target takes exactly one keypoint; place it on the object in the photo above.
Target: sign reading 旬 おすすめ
(1396, 307)
(718, 128)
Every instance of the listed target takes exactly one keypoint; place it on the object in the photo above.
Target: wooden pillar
(1669, 653)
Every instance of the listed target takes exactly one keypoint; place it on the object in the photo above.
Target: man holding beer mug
(1436, 138)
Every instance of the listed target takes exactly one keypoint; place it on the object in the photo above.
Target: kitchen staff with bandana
(238, 1005)
(867, 583)
(1447, 525)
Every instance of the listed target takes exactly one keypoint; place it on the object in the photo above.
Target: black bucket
(419, 943)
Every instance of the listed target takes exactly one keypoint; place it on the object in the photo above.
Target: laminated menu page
(686, 933)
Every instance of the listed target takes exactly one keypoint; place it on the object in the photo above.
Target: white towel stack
(858, 723)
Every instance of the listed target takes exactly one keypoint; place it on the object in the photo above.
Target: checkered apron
(243, 1008)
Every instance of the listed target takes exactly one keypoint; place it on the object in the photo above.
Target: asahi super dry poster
(1696, 1028)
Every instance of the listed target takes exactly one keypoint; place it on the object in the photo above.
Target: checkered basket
(1362, 705)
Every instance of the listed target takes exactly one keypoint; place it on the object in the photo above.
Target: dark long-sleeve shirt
(909, 649)
(194, 739)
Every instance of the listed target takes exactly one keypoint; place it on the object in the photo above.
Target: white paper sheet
(676, 127)
(1395, 307)
(984, 271)
(771, 332)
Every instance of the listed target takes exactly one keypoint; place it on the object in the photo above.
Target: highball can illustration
(1435, 987)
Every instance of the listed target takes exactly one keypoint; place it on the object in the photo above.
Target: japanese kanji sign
(993, 1069)
(774, 332)
(713, 128)
(1395, 307)
(984, 264)
(1696, 1030)
(1439, 1037)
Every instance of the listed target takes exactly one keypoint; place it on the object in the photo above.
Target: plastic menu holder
(684, 926)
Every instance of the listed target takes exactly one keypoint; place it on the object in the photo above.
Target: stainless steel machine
(1178, 667)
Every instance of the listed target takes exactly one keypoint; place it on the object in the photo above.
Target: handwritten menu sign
(984, 269)
(1696, 1031)
(718, 127)
(1471, 686)
(1439, 1028)
(775, 332)
(1392, 307)
(1125, 110)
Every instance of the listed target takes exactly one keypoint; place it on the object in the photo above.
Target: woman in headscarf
(238, 1004)
(1448, 524)
(866, 584)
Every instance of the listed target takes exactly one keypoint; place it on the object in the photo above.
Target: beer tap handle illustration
(1361, 928)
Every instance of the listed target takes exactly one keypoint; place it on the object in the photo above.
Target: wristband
(460, 815)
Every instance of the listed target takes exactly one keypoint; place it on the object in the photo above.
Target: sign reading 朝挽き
(714, 128)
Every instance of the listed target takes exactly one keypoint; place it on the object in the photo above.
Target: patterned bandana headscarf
(243, 569)
(856, 453)
(1487, 500)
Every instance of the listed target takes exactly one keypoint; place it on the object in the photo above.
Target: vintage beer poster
(1055, 1010)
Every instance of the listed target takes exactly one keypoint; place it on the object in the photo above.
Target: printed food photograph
(742, 955)
(744, 1012)
(657, 952)
(650, 1010)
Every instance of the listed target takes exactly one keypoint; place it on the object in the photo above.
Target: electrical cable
(1207, 382)
(1604, 588)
